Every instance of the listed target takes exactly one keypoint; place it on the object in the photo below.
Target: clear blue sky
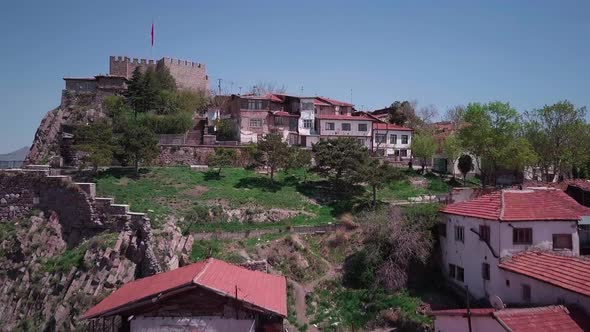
(442, 53)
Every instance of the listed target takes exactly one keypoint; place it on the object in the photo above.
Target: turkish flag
(152, 34)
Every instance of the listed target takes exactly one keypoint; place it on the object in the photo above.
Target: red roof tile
(542, 319)
(521, 205)
(570, 273)
(263, 290)
(389, 126)
(344, 117)
(334, 102)
(319, 102)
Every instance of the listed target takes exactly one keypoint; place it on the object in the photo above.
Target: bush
(198, 214)
(168, 124)
(358, 271)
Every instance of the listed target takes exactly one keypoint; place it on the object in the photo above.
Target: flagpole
(152, 41)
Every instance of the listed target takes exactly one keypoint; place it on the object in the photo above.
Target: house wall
(209, 324)
(460, 324)
(354, 132)
(246, 130)
(541, 293)
(472, 253)
(389, 146)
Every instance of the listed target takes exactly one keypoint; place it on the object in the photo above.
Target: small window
(380, 138)
(362, 141)
(562, 241)
(442, 229)
(362, 127)
(404, 139)
(307, 123)
(346, 127)
(393, 139)
(485, 271)
(484, 233)
(526, 293)
(507, 283)
(330, 126)
(403, 153)
(460, 233)
(255, 123)
(452, 271)
(522, 236)
(460, 274)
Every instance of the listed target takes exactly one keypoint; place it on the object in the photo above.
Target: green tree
(402, 113)
(224, 130)
(423, 148)
(376, 175)
(465, 165)
(298, 158)
(556, 133)
(489, 133)
(452, 149)
(339, 158)
(164, 80)
(138, 145)
(274, 153)
(135, 91)
(222, 158)
(96, 141)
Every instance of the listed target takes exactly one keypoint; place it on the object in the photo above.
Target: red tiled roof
(262, 290)
(389, 126)
(571, 273)
(319, 102)
(542, 319)
(334, 102)
(521, 205)
(539, 319)
(344, 117)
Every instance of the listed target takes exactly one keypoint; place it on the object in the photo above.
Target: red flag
(152, 34)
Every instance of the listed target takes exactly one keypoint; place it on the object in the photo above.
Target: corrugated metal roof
(263, 290)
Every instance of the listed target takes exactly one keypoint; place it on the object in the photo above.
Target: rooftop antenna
(302, 90)
(240, 90)
(219, 85)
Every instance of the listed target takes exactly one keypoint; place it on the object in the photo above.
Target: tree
(224, 130)
(298, 158)
(135, 91)
(556, 134)
(402, 113)
(427, 114)
(454, 115)
(376, 175)
(465, 165)
(423, 148)
(222, 158)
(138, 145)
(262, 88)
(96, 141)
(452, 149)
(489, 132)
(274, 153)
(339, 158)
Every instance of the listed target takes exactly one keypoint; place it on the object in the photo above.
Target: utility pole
(219, 85)
(302, 90)
(240, 90)
(468, 308)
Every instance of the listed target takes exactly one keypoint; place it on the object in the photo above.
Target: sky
(440, 53)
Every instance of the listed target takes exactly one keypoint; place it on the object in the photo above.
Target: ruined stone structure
(116, 245)
(188, 75)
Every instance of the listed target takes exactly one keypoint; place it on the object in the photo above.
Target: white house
(308, 131)
(334, 126)
(476, 236)
(539, 319)
(392, 140)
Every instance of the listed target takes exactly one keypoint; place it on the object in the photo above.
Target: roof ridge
(198, 276)
(501, 217)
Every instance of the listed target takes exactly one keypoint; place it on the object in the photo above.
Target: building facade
(391, 140)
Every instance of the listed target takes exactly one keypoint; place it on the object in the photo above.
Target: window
(485, 271)
(280, 121)
(307, 123)
(362, 141)
(380, 138)
(460, 233)
(562, 241)
(254, 104)
(255, 123)
(442, 229)
(393, 139)
(362, 127)
(507, 283)
(346, 127)
(307, 106)
(403, 153)
(460, 274)
(526, 293)
(404, 139)
(522, 236)
(330, 126)
(452, 271)
(484, 233)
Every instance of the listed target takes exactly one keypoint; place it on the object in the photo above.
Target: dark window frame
(460, 234)
(452, 271)
(405, 139)
(484, 233)
(460, 274)
(363, 126)
(570, 239)
(522, 236)
(348, 126)
(485, 271)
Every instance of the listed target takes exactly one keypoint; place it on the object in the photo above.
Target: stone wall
(186, 155)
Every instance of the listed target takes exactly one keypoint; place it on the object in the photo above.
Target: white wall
(389, 146)
(460, 324)
(471, 253)
(338, 128)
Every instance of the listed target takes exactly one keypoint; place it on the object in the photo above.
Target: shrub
(167, 124)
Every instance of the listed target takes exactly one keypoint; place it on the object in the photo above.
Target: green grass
(335, 307)
(218, 249)
(75, 257)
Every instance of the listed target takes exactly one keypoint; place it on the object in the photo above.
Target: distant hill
(19, 154)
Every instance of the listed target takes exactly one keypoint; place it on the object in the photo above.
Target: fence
(172, 139)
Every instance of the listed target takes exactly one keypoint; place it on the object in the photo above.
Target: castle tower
(188, 75)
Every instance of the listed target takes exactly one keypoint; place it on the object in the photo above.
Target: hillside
(19, 154)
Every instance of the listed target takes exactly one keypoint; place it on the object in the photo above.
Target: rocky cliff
(56, 263)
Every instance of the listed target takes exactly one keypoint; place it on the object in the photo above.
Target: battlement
(188, 74)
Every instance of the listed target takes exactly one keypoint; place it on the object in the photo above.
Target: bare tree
(428, 113)
(455, 115)
(264, 87)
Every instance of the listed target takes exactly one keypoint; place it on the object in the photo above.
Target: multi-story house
(491, 243)
(336, 125)
(392, 140)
